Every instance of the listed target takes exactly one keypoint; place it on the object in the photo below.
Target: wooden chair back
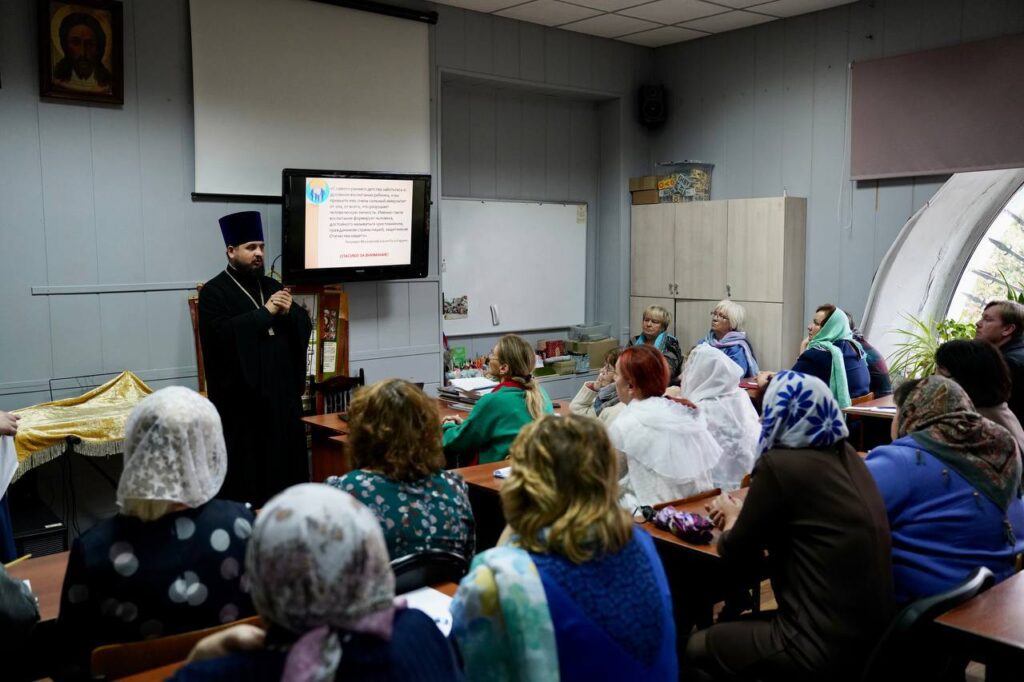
(863, 399)
(113, 661)
(193, 313)
(714, 492)
(335, 394)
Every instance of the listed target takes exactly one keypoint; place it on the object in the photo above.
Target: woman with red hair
(667, 449)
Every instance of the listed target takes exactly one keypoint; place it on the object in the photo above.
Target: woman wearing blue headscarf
(814, 507)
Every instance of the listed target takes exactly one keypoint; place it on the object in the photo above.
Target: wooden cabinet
(748, 250)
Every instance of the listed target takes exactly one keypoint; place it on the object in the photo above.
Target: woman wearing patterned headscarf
(321, 579)
(171, 560)
(814, 507)
(711, 381)
(951, 485)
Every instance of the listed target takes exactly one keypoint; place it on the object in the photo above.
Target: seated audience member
(578, 593)
(599, 398)
(726, 335)
(711, 382)
(814, 507)
(878, 370)
(171, 560)
(950, 481)
(655, 333)
(979, 368)
(668, 451)
(1002, 325)
(394, 441)
(830, 354)
(322, 582)
(18, 616)
(496, 418)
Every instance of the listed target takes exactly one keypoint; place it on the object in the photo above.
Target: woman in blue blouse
(727, 336)
(951, 485)
(578, 593)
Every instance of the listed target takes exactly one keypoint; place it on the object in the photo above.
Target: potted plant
(915, 354)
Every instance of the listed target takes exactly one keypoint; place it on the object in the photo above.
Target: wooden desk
(871, 408)
(990, 628)
(329, 433)
(46, 573)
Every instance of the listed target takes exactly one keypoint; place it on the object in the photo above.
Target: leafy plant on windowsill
(1013, 293)
(915, 355)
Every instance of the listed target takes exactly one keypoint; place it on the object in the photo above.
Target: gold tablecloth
(98, 418)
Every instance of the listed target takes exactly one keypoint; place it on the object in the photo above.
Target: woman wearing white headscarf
(171, 560)
(814, 507)
(321, 579)
(711, 381)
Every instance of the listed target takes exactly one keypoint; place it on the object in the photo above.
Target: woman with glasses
(727, 336)
(655, 333)
(599, 399)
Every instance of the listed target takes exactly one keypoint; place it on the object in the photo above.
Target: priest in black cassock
(254, 350)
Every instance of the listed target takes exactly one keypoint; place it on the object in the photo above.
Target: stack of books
(467, 390)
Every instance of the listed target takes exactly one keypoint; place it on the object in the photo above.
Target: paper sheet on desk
(8, 462)
(435, 604)
(479, 384)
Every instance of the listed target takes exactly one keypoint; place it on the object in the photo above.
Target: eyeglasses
(718, 315)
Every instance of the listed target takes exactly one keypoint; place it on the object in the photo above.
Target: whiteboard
(526, 259)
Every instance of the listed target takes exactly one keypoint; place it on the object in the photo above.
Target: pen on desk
(18, 560)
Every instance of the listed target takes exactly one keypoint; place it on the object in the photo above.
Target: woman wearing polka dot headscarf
(172, 559)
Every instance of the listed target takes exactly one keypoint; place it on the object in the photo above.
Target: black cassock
(255, 374)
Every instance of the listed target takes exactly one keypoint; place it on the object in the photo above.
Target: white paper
(330, 356)
(435, 604)
(503, 472)
(474, 383)
(8, 462)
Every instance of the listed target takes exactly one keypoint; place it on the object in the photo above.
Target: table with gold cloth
(96, 419)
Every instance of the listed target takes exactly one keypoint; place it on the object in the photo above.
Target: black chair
(904, 652)
(337, 391)
(430, 567)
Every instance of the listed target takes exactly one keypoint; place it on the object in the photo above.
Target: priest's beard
(254, 269)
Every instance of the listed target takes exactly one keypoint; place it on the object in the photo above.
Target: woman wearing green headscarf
(834, 356)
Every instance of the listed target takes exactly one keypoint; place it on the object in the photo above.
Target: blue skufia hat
(242, 227)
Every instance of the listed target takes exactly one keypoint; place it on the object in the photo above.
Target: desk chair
(337, 391)
(427, 568)
(112, 661)
(903, 652)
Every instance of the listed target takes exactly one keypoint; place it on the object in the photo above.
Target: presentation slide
(358, 222)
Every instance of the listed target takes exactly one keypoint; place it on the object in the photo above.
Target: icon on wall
(81, 50)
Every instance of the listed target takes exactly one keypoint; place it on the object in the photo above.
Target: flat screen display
(350, 226)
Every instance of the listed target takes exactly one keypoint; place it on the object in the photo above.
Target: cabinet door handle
(728, 291)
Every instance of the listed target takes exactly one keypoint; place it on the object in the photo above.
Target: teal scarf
(836, 329)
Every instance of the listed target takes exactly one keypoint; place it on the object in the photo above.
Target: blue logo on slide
(317, 190)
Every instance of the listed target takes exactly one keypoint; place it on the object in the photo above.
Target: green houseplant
(915, 354)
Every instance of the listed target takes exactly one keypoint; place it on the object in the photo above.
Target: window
(999, 254)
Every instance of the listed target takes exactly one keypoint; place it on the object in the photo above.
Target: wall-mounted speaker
(652, 105)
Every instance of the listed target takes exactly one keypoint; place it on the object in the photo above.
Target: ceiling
(652, 23)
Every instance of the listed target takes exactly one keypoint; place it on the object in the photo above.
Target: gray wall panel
(479, 41)
(556, 57)
(531, 52)
(509, 144)
(505, 47)
(168, 327)
(393, 314)
(424, 322)
(75, 335)
(483, 134)
(557, 149)
(121, 316)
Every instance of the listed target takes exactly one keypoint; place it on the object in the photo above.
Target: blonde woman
(727, 335)
(579, 592)
(654, 332)
(497, 417)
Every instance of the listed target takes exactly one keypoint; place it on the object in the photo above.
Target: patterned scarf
(799, 412)
(501, 620)
(940, 417)
(836, 329)
(735, 338)
(318, 564)
(174, 449)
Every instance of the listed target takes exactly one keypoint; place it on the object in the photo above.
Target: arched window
(931, 269)
(999, 255)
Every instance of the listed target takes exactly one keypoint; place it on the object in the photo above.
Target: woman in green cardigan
(486, 434)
